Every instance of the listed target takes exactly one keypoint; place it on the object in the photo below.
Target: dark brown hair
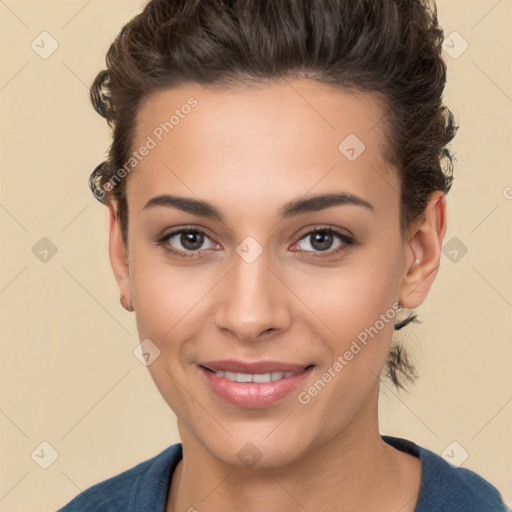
(392, 48)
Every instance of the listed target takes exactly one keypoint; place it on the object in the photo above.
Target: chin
(255, 449)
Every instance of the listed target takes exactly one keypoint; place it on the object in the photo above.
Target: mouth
(253, 385)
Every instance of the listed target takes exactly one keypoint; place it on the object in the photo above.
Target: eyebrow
(290, 209)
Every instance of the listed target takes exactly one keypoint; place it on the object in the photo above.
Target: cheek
(165, 294)
(352, 297)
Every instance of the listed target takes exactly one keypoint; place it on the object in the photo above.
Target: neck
(355, 470)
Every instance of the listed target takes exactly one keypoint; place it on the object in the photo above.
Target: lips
(253, 367)
(254, 394)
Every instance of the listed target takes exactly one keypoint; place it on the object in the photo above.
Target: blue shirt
(143, 488)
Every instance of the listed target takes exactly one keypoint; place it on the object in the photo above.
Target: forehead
(280, 138)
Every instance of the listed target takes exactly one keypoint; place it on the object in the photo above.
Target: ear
(423, 252)
(118, 254)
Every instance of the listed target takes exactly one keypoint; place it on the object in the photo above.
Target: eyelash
(347, 242)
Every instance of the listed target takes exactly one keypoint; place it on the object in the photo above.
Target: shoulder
(140, 488)
(446, 487)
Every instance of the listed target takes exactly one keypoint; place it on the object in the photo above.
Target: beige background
(68, 373)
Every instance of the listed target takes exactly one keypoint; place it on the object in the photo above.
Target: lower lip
(251, 394)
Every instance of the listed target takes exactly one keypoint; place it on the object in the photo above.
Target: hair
(391, 48)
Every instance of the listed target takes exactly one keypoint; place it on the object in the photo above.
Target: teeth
(256, 377)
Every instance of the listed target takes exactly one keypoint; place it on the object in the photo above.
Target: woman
(276, 190)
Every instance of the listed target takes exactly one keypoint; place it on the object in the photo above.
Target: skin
(248, 151)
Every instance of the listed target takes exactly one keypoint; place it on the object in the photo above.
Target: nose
(253, 301)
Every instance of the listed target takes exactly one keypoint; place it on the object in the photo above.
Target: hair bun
(100, 96)
(96, 181)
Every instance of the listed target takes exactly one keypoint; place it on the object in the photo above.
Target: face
(254, 277)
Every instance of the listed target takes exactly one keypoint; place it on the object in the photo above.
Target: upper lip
(231, 365)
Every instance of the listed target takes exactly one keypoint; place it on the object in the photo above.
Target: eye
(322, 239)
(191, 241)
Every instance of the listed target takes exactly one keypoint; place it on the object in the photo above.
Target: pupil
(322, 236)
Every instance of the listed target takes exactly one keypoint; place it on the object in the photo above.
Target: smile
(253, 390)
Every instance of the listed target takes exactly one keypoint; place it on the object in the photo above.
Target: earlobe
(118, 257)
(423, 252)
